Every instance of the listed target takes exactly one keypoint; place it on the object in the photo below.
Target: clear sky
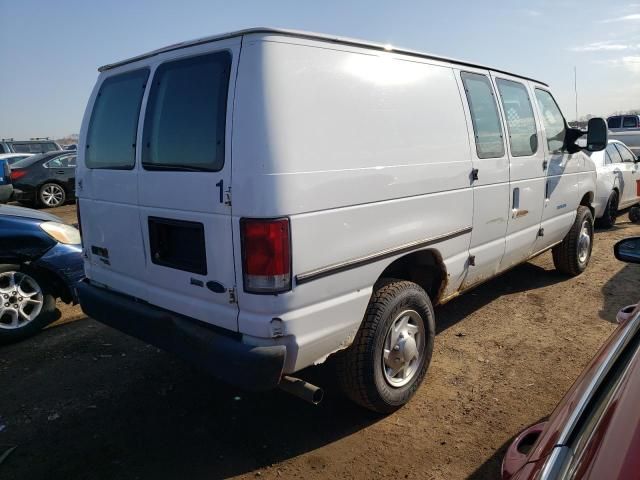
(50, 50)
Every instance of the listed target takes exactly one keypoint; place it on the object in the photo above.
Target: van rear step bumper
(226, 358)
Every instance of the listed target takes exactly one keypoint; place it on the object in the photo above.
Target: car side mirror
(628, 250)
(597, 134)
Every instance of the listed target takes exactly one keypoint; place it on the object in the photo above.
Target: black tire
(634, 214)
(48, 312)
(567, 256)
(361, 367)
(51, 195)
(610, 214)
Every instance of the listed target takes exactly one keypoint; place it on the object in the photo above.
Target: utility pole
(575, 88)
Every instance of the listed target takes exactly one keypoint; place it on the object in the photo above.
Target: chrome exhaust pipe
(304, 390)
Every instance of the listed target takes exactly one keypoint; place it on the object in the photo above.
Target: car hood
(10, 210)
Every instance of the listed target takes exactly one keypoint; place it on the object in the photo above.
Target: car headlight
(61, 232)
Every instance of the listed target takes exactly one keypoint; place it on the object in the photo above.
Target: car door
(491, 183)
(629, 171)
(562, 182)
(526, 169)
(61, 169)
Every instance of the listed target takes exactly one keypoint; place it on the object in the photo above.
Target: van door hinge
(545, 164)
(472, 260)
(227, 196)
(232, 295)
(541, 232)
(474, 174)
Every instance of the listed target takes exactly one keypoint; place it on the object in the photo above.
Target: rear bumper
(5, 192)
(23, 195)
(220, 354)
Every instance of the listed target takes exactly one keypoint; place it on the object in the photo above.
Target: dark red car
(594, 432)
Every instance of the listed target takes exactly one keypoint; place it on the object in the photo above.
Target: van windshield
(184, 125)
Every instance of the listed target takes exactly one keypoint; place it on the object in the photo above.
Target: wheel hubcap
(403, 348)
(52, 195)
(20, 300)
(584, 243)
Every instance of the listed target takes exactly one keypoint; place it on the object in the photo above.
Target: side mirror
(628, 250)
(597, 134)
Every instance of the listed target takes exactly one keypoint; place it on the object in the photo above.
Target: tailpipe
(304, 390)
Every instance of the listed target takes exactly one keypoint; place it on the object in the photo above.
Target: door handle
(61, 172)
(516, 212)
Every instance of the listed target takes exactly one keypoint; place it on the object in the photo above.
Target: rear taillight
(266, 255)
(17, 174)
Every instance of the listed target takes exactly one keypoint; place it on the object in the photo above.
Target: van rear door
(155, 218)
(183, 179)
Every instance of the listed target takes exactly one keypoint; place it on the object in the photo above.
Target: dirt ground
(81, 400)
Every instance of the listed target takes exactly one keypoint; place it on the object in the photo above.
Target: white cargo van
(259, 201)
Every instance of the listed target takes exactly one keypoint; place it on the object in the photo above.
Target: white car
(618, 184)
(261, 200)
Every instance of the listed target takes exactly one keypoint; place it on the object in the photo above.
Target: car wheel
(572, 256)
(634, 214)
(27, 304)
(391, 352)
(51, 195)
(610, 214)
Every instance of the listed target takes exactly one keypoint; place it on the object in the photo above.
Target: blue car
(6, 188)
(40, 262)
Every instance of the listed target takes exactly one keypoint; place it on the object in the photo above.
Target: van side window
(111, 139)
(613, 153)
(484, 115)
(184, 126)
(552, 119)
(625, 153)
(614, 122)
(521, 123)
(630, 122)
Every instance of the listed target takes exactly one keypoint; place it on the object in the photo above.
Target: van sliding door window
(484, 115)
(523, 138)
(184, 125)
(111, 140)
(554, 126)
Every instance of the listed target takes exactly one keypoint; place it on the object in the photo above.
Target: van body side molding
(374, 257)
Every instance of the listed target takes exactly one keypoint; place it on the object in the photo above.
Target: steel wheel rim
(403, 348)
(21, 298)
(584, 243)
(52, 195)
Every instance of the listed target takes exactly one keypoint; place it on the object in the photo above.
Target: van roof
(308, 35)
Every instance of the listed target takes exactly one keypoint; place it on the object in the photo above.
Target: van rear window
(111, 140)
(184, 125)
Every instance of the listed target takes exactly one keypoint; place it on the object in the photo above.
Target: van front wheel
(390, 355)
(571, 257)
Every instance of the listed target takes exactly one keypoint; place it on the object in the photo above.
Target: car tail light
(17, 174)
(266, 255)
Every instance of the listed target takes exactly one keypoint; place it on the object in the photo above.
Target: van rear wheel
(572, 256)
(390, 355)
